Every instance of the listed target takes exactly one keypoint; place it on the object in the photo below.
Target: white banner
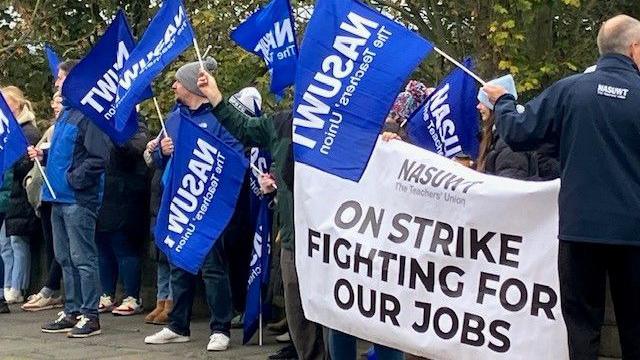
(429, 257)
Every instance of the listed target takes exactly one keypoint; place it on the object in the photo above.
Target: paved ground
(122, 338)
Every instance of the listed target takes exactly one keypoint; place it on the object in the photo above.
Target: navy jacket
(202, 116)
(594, 121)
(76, 161)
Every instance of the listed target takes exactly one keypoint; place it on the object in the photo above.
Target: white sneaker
(106, 304)
(129, 306)
(284, 338)
(218, 342)
(13, 296)
(165, 336)
(38, 302)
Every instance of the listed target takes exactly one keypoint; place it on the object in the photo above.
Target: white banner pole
(464, 68)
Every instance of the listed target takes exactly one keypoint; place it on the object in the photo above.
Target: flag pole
(164, 128)
(260, 318)
(206, 52)
(195, 44)
(46, 180)
(254, 167)
(464, 68)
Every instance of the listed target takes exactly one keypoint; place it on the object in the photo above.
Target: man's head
(186, 85)
(63, 70)
(247, 101)
(620, 35)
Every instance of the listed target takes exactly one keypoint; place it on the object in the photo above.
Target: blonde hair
(18, 96)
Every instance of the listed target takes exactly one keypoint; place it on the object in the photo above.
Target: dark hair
(67, 65)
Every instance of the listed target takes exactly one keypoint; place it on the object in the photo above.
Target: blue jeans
(75, 249)
(344, 347)
(164, 281)
(117, 255)
(16, 256)
(215, 274)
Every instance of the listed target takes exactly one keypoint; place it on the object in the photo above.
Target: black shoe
(4, 308)
(286, 353)
(64, 323)
(86, 326)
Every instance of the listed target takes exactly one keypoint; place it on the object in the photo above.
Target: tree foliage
(538, 41)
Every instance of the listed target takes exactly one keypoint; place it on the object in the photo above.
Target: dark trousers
(215, 273)
(583, 269)
(118, 255)
(55, 271)
(307, 336)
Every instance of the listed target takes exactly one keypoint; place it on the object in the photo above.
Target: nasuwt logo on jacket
(612, 91)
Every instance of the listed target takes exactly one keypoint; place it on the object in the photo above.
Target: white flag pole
(206, 52)
(259, 319)
(46, 180)
(464, 68)
(164, 129)
(195, 45)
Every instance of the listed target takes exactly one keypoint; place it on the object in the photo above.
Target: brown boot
(157, 311)
(163, 317)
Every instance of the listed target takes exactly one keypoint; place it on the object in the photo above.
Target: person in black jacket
(119, 229)
(21, 223)
(593, 120)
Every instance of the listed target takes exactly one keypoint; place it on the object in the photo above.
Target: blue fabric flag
(91, 85)
(167, 36)
(13, 144)
(270, 34)
(447, 123)
(260, 257)
(52, 59)
(200, 197)
(258, 272)
(353, 61)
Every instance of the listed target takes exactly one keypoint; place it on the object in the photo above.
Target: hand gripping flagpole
(254, 167)
(464, 68)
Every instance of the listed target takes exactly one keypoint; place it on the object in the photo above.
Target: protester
(194, 106)
(496, 157)
(49, 296)
(76, 163)
(274, 134)
(20, 220)
(593, 120)
(118, 228)
(164, 298)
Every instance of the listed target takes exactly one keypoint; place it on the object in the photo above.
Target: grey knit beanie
(187, 75)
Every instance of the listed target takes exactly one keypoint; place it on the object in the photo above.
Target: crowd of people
(92, 235)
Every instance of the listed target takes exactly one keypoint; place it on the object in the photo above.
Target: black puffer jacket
(124, 205)
(502, 161)
(21, 219)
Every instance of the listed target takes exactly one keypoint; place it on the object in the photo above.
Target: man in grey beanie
(193, 105)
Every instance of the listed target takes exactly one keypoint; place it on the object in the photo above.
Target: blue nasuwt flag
(13, 144)
(270, 34)
(200, 197)
(353, 61)
(261, 217)
(258, 271)
(52, 59)
(91, 85)
(447, 123)
(167, 36)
